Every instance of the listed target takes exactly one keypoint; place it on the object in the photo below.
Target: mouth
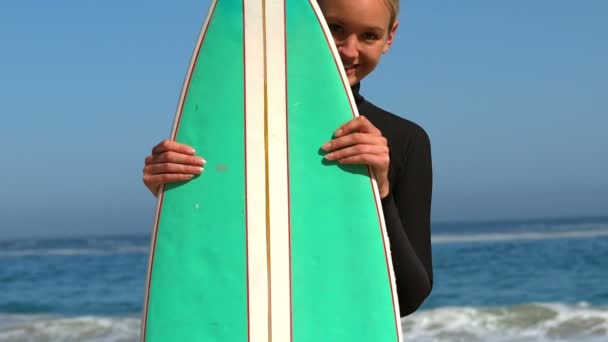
(350, 69)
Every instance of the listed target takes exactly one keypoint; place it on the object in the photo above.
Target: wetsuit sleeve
(407, 211)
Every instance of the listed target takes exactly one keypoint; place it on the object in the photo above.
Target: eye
(335, 28)
(370, 36)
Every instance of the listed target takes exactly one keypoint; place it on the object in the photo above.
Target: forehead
(370, 13)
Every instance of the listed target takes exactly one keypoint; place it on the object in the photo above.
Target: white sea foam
(525, 323)
(81, 329)
(514, 236)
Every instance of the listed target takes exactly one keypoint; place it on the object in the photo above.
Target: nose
(348, 48)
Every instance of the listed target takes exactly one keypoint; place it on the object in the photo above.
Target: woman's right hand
(171, 162)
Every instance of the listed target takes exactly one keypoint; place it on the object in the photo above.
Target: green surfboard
(270, 243)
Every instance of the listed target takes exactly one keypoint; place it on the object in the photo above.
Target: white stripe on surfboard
(278, 168)
(161, 190)
(374, 184)
(257, 258)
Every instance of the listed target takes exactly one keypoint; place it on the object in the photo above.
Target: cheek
(371, 56)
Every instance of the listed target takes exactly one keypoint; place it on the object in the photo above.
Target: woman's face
(361, 31)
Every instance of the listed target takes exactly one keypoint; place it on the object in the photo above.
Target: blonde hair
(393, 6)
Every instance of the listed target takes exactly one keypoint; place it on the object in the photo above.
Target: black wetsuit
(407, 208)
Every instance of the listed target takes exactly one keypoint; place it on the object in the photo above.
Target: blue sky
(513, 94)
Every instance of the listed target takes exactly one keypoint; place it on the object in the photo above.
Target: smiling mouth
(350, 69)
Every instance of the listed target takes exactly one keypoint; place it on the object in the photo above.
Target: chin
(352, 80)
(357, 76)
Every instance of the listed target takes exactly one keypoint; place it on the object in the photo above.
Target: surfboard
(270, 243)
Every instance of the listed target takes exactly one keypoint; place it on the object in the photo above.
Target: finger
(153, 188)
(154, 169)
(166, 178)
(373, 160)
(358, 124)
(177, 158)
(356, 150)
(171, 145)
(354, 139)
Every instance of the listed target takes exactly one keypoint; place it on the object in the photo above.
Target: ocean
(541, 280)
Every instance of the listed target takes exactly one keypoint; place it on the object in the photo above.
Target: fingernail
(338, 132)
(201, 169)
(329, 156)
(202, 160)
(326, 146)
(192, 150)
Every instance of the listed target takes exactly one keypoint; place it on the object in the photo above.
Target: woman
(396, 149)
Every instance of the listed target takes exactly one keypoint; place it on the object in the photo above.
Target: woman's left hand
(359, 142)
